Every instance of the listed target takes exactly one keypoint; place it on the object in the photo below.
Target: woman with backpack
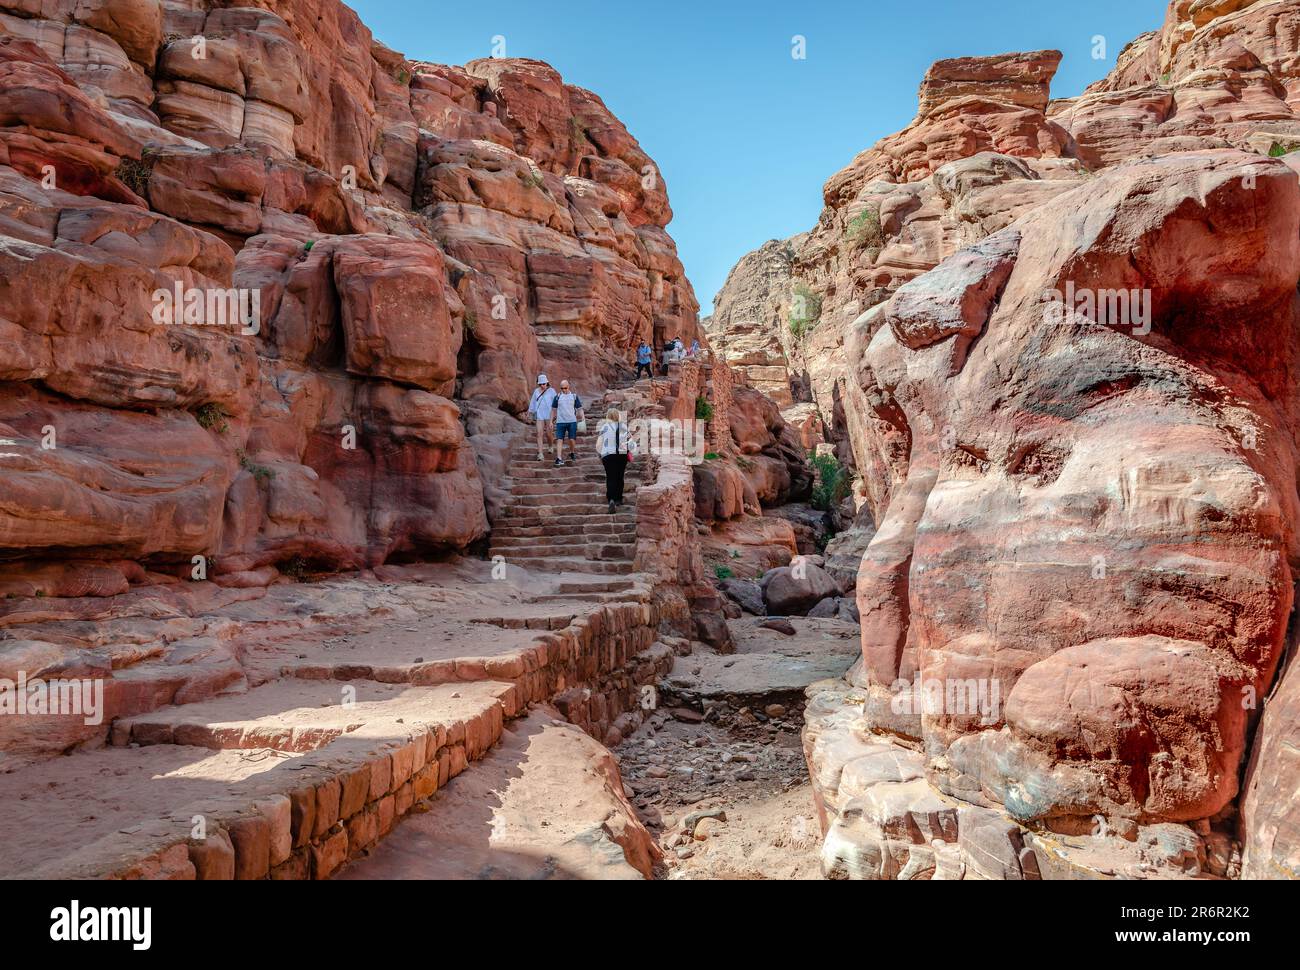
(615, 447)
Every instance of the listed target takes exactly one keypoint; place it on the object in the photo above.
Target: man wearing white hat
(542, 407)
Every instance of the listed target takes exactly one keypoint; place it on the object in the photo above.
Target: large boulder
(1096, 509)
(795, 589)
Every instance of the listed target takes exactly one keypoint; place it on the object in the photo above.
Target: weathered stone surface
(1189, 492)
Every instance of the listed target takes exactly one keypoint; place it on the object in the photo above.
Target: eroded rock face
(1091, 514)
(412, 242)
(1216, 75)
(1043, 449)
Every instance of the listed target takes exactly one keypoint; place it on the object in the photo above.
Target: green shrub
(212, 417)
(832, 482)
(864, 230)
(259, 472)
(712, 456)
(135, 175)
(723, 572)
(1278, 150)
(805, 310)
(703, 409)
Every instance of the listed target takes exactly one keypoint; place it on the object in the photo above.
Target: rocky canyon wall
(1057, 341)
(260, 274)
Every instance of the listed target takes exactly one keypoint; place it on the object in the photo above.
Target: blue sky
(743, 133)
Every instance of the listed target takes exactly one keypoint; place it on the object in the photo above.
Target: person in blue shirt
(644, 358)
(568, 412)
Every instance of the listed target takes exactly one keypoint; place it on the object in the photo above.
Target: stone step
(595, 529)
(583, 503)
(558, 564)
(542, 769)
(534, 549)
(288, 779)
(547, 472)
(503, 544)
(577, 488)
(528, 518)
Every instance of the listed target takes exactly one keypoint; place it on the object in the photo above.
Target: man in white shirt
(567, 407)
(541, 407)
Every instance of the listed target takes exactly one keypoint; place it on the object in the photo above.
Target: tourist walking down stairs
(569, 420)
(541, 407)
(616, 451)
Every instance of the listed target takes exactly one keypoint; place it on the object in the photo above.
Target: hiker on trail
(567, 408)
(615, 449)
(541, 407)
(644, 357)
(672, 353)
(695, 350)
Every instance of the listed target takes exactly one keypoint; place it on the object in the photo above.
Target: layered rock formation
(1057, 341)
(257, 271)
(988, 145)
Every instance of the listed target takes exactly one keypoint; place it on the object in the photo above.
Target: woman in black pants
(615, 452)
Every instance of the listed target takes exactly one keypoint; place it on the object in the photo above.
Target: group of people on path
(561, 415)
(673, 352)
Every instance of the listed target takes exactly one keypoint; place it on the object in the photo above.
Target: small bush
(307, 246)
(295, 568)
(832, 482)
(703, 409)
(864, 230)
(135, 175)
(259, 472)
(212, 417)
(1278, 150)
(471, 320)
(723, 572)
(805, 310)
(401, 75)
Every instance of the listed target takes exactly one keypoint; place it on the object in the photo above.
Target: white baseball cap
(541, 379)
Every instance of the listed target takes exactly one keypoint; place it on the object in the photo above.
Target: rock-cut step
(547, 803)
(288, 780)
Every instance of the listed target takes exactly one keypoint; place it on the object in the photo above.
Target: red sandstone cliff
(422, 240)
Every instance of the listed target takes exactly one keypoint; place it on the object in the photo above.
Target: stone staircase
(557, 519)
(341, 727)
